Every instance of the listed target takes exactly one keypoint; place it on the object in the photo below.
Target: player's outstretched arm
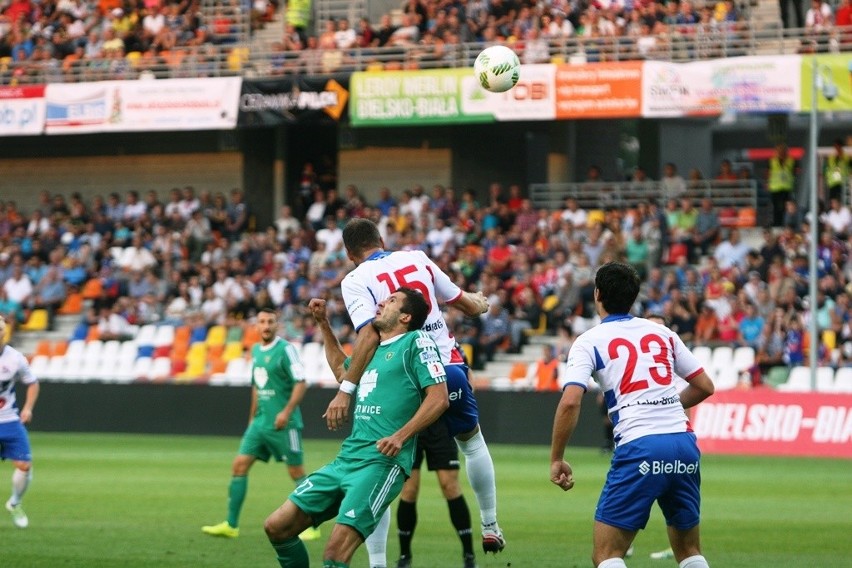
(365, 346)
(564, 423)
(471, 304)
(433, 406)
(333, 350)
(699, 388)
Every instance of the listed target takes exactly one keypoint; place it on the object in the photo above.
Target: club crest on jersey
(267, 359)
(389, 356)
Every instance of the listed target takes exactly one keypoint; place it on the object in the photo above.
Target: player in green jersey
(402, 390)
(275, 427)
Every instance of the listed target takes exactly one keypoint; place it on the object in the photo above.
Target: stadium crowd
(196, 259)
(90, 40)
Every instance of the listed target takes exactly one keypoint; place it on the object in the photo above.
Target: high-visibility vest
(299, 13)
(836, 170)
(781, 174)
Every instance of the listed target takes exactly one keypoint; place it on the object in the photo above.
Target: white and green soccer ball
(497, 68)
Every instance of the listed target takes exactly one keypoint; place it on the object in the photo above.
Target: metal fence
(683, 43)
(622, 195)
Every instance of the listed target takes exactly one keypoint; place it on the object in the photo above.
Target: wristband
(348, 387)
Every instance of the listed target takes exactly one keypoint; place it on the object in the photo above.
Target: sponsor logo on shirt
(424, 343)
(434, 326)
(429, 356)
(663, 467)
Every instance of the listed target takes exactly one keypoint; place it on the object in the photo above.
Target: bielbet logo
(658, 467)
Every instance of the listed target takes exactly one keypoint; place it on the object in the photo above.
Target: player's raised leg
(462, 421)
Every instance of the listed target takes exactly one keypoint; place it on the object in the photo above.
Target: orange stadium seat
(73, 305)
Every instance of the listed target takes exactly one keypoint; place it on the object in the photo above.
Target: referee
(442, 457)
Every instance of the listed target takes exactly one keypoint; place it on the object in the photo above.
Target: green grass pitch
(139, 501)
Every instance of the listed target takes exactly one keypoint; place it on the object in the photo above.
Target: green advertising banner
(836, 69)
(396, 98)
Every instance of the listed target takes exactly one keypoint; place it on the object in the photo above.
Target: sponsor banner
(710, 88)
(146, 105)
(394, 98)
(775, 423)
(22, 110)
(599, 90)
(293, 99)
(533, 98)
(834, 71)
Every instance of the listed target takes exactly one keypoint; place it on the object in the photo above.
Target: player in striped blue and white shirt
(14, 442)
(656, 458)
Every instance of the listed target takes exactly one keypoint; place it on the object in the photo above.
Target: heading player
(656, 457)
(377, 275)
(402, 391)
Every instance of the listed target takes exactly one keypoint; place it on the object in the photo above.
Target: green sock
(333, 564)
(292, 553)
(236, 495)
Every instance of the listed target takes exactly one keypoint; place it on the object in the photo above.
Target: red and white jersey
(635, 362)
(13, 367)
(375, 279)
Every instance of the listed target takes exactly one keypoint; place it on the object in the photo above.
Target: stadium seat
(93, 333)
(250, 337)
(110, 352)
(236, 373)
(80, 332)
(39, 366)
(198, 334)
(726, 378)
(92, 289)
(776, 376)
(55, 368)
(235, 333)
(36, 322)
(540, 330)
(743, 358)
(60, 348)
(705, 356)
(164, 336)
(798, 381)
(825, 379)
(216, 335)
(723, 356)
(43, 347)
(161, 369)
(312, 356)
(146, 335)
(142, 368)
(233, 350)
(519, 374)
(72, 305)
(843, 380)
(92, 351)
(75, 350)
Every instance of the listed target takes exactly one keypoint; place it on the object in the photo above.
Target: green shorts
(356, 494)
(282, 445)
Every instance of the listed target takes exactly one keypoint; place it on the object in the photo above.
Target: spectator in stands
(344, 36)
(18, 287)
(819, 21)
(406, 34)
(731, 252)
(496, 330)
(836, 172)
(238, 216)
(573, 214)
(49, 294)
(838, 218)
(726, 171)
(673, 184)
(706, 229)
(781, 182)
(113, 324)
(545, 371)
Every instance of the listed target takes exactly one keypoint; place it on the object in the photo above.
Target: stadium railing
(684, 43)
(601, 195)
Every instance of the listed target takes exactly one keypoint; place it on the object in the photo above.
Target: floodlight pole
(814, 206)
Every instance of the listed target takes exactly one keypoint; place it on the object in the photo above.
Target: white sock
(378, 541)
(696, 561)
(480, 472)
(613, 563)
(20, 481)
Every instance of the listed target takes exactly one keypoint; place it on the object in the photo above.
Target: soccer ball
(497, 68)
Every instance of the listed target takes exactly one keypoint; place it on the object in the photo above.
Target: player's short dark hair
(268, 311)
(360, 235)
(414, 305)
(618, 286)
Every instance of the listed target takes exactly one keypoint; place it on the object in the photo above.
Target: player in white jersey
(377, 275)
(14, 442)
(656, 457)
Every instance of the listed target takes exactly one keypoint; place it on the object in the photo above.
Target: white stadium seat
(142, 368)
(798, 381)
(146, 335)
(164, 336)
(726, 378)
(55, 368)
(723, 356)
(161, 369)
(75, 350)
(743, 358)
(704, 355)
(843, 380)
(39, 366)
(92, 352)
(825, 379)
